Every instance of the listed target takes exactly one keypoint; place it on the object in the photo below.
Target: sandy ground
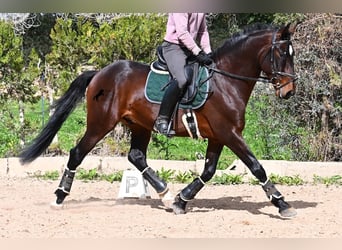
(236, 211)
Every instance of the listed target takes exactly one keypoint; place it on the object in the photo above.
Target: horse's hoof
(167, 199)
(288, 212)
(55, 206)
(177, 210)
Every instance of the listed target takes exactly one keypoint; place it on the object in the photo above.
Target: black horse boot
(172, 95)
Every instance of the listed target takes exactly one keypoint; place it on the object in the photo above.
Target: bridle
(283, 54)
(274, 79)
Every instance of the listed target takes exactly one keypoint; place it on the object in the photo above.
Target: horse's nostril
(289, 94)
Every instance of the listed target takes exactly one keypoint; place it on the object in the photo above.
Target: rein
(274, 80)
(245, 78)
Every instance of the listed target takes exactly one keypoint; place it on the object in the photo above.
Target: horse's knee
(208, 172)
(138, 159)
(134, 155)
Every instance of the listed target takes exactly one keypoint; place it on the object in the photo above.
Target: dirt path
(92, 211)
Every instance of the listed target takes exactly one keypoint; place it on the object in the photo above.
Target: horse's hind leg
(189, 192)
(76, 156)
(137, 156)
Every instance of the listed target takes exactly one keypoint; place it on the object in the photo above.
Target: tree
(14, 70)
(138, 36)
(36, 35)
(16, 74)
(223, 25)
(318, 102)
(308, 126)
(81, 42)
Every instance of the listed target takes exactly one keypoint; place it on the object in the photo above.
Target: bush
(317, 106)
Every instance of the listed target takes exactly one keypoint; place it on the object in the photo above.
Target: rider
(183, 30)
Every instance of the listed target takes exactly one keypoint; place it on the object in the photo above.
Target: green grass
(185, 177)
(286, 180)
(228, 179)
(261, 137)
(328, 181)
(186, 149)
(93, 174)
(282, 180)
(74, 127)
(166, 174)
(36, 116)
(49, 175)
(171, 176)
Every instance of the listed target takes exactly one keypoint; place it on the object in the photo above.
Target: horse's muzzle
(289, 94)
(285, 94)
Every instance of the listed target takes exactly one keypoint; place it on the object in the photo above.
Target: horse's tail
(63, 108)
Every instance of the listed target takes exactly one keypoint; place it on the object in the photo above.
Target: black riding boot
(172, 95)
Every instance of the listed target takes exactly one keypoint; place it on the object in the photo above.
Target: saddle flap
(157, 80)
(191, 74)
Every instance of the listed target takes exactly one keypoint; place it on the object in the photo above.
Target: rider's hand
(204, 58)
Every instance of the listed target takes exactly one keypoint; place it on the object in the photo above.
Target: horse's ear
(288, 31)
(291, 27)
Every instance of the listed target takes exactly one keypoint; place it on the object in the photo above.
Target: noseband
(274, 79)
(275, 72)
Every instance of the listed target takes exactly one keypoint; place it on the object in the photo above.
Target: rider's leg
(172, 95)
(175, 58)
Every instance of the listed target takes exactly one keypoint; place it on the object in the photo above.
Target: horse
(115, 94)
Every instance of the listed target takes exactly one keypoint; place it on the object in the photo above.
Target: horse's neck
(244, 63)
(245, 59)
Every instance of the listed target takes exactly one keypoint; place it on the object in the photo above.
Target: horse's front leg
(239, 147)
(137, 156)
(190, 191)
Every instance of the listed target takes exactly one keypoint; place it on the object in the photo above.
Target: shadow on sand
(194, 206)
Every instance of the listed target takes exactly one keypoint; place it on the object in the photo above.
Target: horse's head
(277, 62)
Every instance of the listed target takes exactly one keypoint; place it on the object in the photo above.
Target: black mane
(246, 31)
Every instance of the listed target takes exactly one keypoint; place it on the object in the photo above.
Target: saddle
(191, 71)
(196, 93)
(160, 63)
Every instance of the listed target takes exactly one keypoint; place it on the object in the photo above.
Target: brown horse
(116, 94)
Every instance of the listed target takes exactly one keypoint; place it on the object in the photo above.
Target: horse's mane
(238, 37)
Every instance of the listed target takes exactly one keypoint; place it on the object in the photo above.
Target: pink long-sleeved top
(186, 29)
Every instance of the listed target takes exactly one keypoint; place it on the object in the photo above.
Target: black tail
(63, 108)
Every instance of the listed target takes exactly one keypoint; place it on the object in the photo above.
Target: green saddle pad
(156, 81)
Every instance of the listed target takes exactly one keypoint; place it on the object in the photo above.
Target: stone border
(11, 167)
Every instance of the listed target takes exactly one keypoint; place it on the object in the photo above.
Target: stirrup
(161, 126)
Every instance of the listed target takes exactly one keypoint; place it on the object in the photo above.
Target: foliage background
(39, 60)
